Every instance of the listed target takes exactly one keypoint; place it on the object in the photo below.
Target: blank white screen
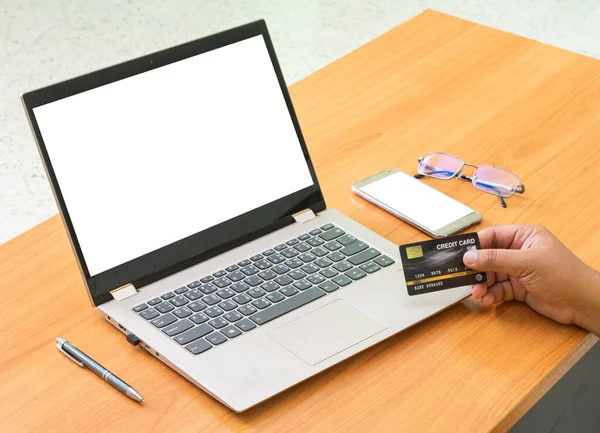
(148, 160)
(419, 202)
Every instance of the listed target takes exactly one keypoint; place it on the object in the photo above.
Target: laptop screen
(154, 158)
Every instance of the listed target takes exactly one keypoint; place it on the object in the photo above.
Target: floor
(45, 41)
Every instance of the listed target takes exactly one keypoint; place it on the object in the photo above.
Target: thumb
(511, 262)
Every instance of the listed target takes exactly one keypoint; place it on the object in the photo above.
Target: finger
(479, 290)
(511, 262)
(505, 237)
(498, 293)
(501, 276)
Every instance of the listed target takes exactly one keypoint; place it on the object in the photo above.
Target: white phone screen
(417, 201)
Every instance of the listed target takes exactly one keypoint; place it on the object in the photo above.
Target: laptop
(198, 223)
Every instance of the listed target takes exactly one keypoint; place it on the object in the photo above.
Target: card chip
(414, 252)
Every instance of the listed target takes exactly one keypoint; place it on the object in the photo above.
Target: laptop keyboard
(222, 306)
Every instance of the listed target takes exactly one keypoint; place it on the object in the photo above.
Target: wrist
(587, 311)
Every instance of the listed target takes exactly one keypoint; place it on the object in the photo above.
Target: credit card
(435, 265)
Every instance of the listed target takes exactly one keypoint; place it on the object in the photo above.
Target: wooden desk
(435, 83)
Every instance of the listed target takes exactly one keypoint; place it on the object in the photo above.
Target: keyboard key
(342, 266)
(207, 289)
(261, 303)
(327, 226)
(219, 274)
(250, 270)
(245, 325)
(236, 276)
(310, 268)
(323, 263)
(294, 263)
(275, 297)
(263, 264)
(304, 237)
(332, 246)
(329, 273)
(231, 268)
(267, 275)
(365, 256)
(179, 301)
(370, 267)
(256, 258)
(283, 307)
(336, 256)
(356, 274)
(168, 295)
(280, 247)
(192, 285)
(332, 234)
(289, 253)
(346, 240)
(341, 280)
(302, 285)
(289, 291)
(297, 275)
(292, 242)
(164, 320)
(240, 287)
(233, 316)
(354, 248)
(165, 307)
(246, 310)
(181, 290)
(242, 299)
(226, 293)
(270, 286)
(216, 338)
(154, 301)
(253, 281)
(194, 334)
(256, 292)
(227, 305)
(307, 257)
(221, 282)
(316, 278)
(182, 312)
(149, 314)
(268, 252)
(384, 261)
(196, 306)
(194, 294)
(283, 280)
(281, 269)
(199, 318)
(140, 307)
(213, 311)
(302, 247)
(218, 323)
(198, 347)
(315, 232)
(211, 299)
(207, 279)
(329, 286)
(319, 252)
(244, 263)
(177, 328)
(315, 242)
(276, 258)
(231, 331)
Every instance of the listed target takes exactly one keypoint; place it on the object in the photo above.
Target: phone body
(415, 202)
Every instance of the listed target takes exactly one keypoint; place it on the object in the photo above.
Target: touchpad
(324, 332)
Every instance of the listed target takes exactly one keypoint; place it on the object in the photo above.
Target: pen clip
(59, 347)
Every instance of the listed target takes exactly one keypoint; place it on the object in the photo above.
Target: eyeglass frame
(461, 176)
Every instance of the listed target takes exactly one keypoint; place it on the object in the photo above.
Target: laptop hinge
(304, 215)
(123, 292)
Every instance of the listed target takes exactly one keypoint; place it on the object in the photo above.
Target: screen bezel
(204, 244)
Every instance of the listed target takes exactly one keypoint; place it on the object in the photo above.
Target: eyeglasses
(486, 178)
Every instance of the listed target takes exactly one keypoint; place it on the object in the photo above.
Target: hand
(527, 263)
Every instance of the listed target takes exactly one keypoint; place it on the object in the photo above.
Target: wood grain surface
(435, 83)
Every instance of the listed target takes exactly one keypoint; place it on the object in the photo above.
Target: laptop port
(122, 329)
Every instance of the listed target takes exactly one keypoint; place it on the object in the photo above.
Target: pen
(82, 360)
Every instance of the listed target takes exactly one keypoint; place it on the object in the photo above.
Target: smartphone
(417, 203)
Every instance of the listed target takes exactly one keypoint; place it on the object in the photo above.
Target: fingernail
(470, 258)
